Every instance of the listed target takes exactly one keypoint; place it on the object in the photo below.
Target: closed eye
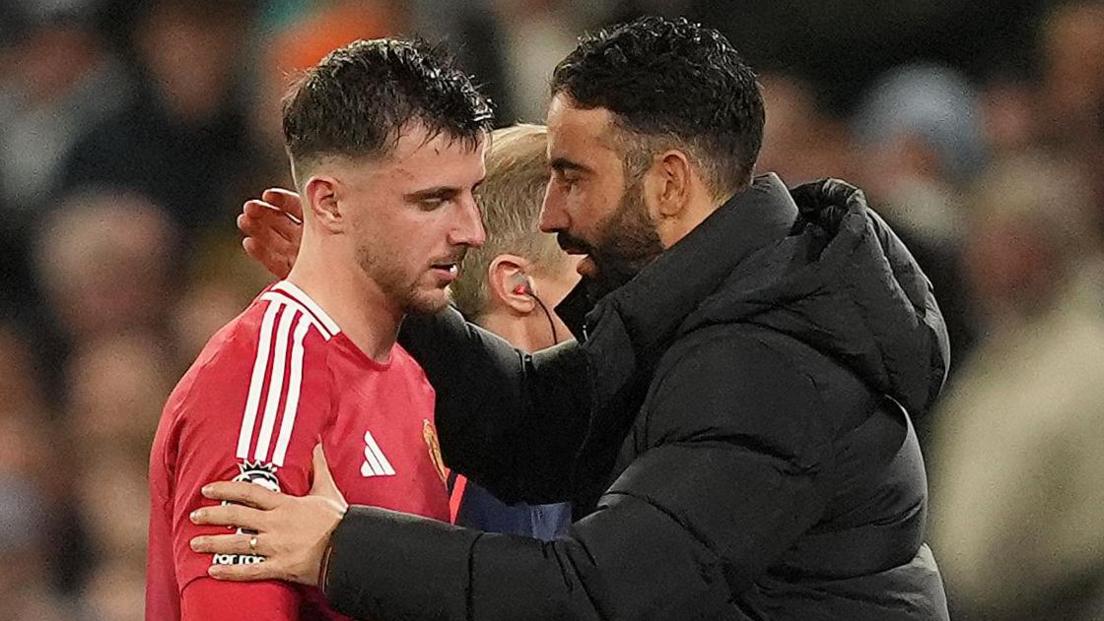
(432, 198)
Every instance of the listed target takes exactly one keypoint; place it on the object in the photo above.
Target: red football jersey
(269, 386)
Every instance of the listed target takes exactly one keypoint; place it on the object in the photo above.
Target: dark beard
(628, 242)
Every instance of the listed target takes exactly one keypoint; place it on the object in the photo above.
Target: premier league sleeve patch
(258, 473)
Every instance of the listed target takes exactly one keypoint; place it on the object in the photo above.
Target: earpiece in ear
(522, 285)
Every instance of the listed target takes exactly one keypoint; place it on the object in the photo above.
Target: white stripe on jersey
(279, 297)
(275, 383)
(295, 382)
(300, 296)
(256, 383)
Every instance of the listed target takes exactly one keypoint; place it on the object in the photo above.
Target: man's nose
(552, 215)
(468, 230)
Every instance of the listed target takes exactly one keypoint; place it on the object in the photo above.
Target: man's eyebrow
(562, 164)
(443, 192)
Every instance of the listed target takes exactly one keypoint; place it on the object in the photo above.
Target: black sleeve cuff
(389, 565)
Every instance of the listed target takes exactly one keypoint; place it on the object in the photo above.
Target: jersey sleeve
(252, 412)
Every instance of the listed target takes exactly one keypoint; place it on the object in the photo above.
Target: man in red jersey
(386, 141)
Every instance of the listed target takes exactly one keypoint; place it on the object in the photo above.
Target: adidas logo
(375, 462)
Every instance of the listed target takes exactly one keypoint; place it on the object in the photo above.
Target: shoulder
(734, 382)
(272, 344)
(740, 356)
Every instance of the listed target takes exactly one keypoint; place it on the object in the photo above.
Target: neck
(344, 291)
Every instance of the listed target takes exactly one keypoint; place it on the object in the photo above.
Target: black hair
(358, 99)
(672, 79)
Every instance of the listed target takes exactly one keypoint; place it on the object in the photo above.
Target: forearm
(509, 420)
(655, 548)
(387, 566)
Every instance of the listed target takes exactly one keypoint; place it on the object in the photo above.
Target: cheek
(585, 205)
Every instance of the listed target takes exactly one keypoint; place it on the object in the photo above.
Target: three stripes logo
(375, 462)
(276, 382)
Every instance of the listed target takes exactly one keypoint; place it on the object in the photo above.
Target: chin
(427, 302)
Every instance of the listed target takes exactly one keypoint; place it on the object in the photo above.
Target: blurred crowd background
(131, 131)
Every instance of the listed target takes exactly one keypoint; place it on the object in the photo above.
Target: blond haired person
(510, 287)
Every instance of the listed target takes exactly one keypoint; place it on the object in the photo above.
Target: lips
(447, 270)
(572, 245)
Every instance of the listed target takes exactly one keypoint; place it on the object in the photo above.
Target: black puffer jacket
(734, 418)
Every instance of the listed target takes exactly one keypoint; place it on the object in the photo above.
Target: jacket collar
(633, 324)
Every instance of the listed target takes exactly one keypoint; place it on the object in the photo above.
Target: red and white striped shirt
(269, 386)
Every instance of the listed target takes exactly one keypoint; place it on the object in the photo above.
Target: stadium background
(130, 133)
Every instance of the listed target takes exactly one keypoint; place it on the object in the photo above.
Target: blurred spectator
(104, 261)
(537, 35)
(25, 594)
(800, 142)
(30, 441)
(1010, 116)
(222, 283)
(291, 38)
(477, 36)
(57, 79)
(182, 141)
(1017, 463)
(920, 130)
(107, 480)
(1072, 46)
(20, 385)
(62, 81)
(116, 592)
(116, 386)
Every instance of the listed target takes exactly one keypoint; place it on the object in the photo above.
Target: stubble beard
(396, 287)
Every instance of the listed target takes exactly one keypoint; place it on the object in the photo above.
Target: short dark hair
(358, 99)
(676, 82)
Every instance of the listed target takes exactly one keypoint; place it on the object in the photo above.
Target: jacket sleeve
(507, 419)
(730, 479)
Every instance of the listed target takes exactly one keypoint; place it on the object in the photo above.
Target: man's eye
(429, 204)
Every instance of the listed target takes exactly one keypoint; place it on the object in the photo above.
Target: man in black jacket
(732, 421)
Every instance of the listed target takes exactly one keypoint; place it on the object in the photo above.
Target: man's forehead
(419, 141)
(571, 126)
(421, 159)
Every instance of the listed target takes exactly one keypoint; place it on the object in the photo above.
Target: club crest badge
(429, 434)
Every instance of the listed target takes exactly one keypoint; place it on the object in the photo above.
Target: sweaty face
(414, 216)
(590, 204)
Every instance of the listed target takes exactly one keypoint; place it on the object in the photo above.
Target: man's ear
(321, 197)
(508, 285)
(667, 184)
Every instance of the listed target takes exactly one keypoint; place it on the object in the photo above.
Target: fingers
(261, 219)
(230, 544)
(248, 572)
(243, 493)
(276, 263)
(284, 200)
(323, 484)
(230, 515)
